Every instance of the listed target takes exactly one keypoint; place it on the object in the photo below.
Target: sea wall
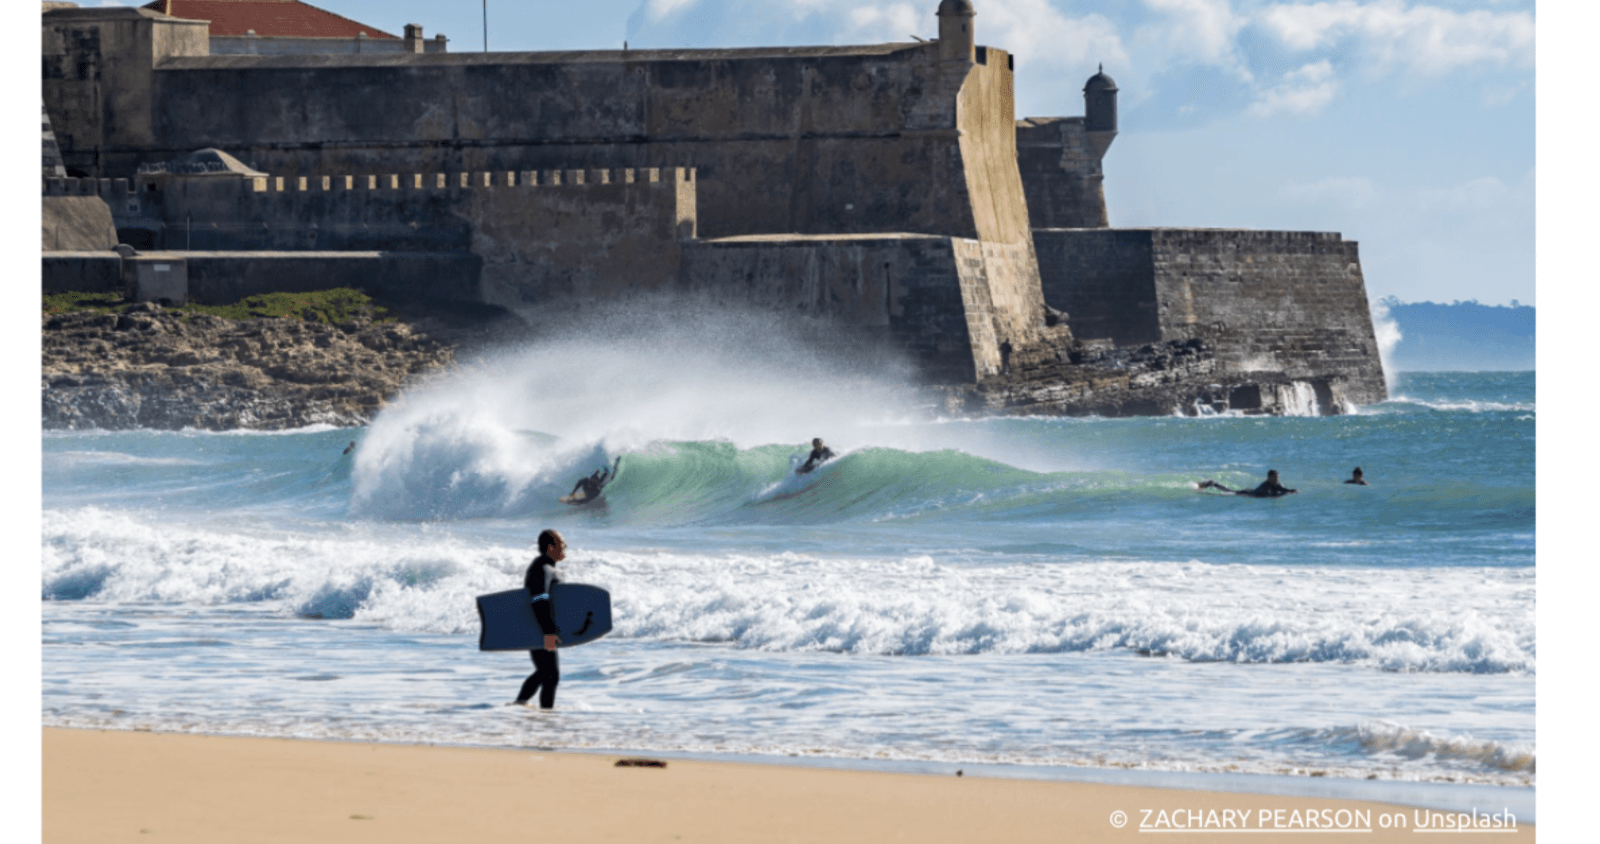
(900, 295)
(1286, 304)
(941, 303)
(81, 272)
(222, 278)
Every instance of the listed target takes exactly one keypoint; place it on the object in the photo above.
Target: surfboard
(582, 614)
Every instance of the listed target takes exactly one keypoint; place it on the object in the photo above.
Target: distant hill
(1460, 336)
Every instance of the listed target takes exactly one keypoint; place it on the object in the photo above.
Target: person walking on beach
(1269, 488)
(1355, 477)
(541, 576)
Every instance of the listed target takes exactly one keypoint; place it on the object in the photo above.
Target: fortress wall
(1276, 301)
(1005, 310)
(1104, 279)
(988, 142)
(537, 235)
(554, 219)
(86, 272)
(1007, 316)
(906, 294)
(597, 235)
(222, 278)
(1286, 304)
(1061, 174)
(73, 223)
(853, 140)
(98, 79)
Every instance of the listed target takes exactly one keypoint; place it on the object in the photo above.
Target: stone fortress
(886, 188)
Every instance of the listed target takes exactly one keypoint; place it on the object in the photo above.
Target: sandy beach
(105, 786)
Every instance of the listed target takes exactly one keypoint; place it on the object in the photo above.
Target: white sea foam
(1468, 406)
(1425, 619)
(1380, 738)
(1387, 333)
(524, 416)
(114, 458)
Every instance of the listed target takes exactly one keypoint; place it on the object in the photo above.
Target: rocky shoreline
(152, 368)
(148, 367)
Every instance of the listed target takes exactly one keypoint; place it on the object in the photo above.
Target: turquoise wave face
(1450, 465)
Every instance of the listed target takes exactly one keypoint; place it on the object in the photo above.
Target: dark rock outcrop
(153, 368)
(1176, 378)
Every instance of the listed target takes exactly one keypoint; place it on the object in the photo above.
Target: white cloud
(1427, 39)
(1353, 192)
(659, 9)
(1039, 34)
(1303, 91)
(887, 21)
(1197, 30)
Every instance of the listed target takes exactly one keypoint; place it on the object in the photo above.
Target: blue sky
(1408, 127)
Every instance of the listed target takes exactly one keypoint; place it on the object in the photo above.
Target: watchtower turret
(956, 39)
(1100, 110)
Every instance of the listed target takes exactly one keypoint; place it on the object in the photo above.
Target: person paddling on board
(539, 580)
(1269, 488)
(819, 453)
(1356, 478)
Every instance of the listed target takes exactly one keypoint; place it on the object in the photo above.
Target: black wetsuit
(590, 486)
(817, 456)
(1268, 489)
(546, 668)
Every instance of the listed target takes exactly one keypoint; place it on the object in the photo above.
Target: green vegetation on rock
(341, 304)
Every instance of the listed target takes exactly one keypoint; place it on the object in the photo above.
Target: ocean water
(1027, 594)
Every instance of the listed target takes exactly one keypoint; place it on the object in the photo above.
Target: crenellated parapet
(538, 235)
(390, 211)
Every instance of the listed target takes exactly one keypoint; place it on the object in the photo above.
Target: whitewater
(1030, 594)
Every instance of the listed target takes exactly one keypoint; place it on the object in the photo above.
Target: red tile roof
(269, 18)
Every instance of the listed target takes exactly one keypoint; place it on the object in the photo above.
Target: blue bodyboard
(582, 614)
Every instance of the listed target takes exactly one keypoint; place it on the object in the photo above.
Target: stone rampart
(81, 272)
(76, 223)
(941, 302)
(222, 278)
(1061, 173)
(902, 294)
(1290, 304)
(536, 235)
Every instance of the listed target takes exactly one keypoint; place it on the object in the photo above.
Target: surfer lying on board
(541, 576)
(819, 453)
(1270, 488)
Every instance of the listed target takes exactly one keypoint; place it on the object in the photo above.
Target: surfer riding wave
(819, 454)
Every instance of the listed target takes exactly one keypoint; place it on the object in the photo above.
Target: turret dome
(956, 7)
(1100, 82)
